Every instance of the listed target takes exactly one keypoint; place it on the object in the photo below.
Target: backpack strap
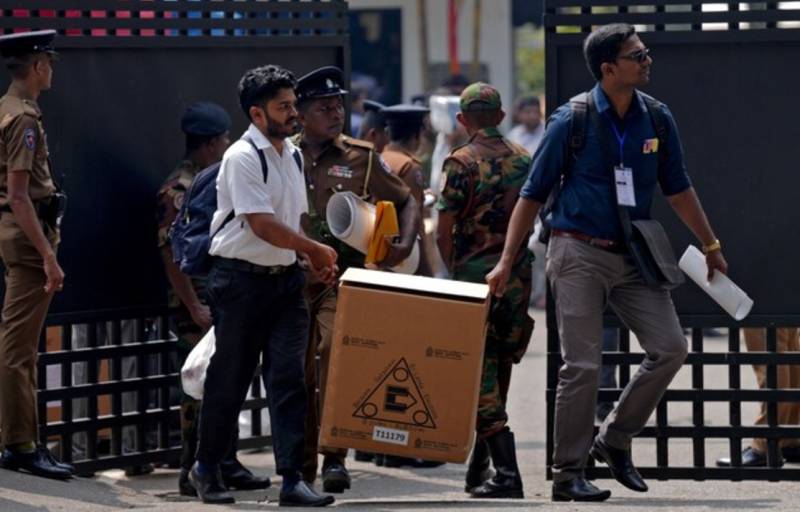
(660, 125)
(264, 167)
(298, 159)
(576, 140)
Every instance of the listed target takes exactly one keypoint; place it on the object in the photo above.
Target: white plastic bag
(193, 373)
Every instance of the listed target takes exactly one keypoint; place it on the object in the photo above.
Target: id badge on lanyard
(623, 176)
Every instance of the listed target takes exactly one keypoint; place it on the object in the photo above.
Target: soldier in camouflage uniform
(336, 163)
(206, 127)
(480, 185)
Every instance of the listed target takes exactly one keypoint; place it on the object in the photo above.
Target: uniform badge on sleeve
(29, 136)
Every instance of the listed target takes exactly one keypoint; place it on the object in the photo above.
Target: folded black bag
(653, 255)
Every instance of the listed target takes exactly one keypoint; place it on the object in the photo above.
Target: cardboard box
(405, 367)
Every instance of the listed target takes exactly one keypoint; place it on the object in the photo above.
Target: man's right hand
(323, 262)
(201, 315)
(55, 276)
(497, 279)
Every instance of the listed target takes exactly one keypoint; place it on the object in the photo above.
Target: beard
(280, 130)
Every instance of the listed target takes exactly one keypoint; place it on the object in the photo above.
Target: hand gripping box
(405, 365)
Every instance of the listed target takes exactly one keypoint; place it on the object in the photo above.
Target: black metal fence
(722, 69)
(127, 71)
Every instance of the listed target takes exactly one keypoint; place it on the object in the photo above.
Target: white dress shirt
(241, 188)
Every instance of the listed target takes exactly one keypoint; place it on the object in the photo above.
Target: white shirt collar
(262, 142)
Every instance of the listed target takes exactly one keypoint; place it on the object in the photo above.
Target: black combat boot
(507, 483)
(479, 469)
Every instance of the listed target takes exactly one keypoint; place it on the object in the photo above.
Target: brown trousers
(322, 309)
(24, 309)
(788, 377)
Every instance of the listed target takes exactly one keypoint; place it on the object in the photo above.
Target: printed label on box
(390, 435)
(397, 399)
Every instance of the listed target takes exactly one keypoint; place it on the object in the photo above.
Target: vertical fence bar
(116, 396)
(162, 334)
(735, 406)
(91, 372)
(774, 457)
(698, 412)
(625, 348)
(66, 404)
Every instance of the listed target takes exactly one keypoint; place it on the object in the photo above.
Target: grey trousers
(584, 281)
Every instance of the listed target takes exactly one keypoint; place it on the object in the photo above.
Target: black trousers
(256, 314)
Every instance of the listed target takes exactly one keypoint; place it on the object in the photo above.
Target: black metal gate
(724, 69)
(128, 70)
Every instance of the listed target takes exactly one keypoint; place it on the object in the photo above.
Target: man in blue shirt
(589, 266)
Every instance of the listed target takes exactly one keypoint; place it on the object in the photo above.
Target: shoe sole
(603, 496)
(597, 454)
(335, 486)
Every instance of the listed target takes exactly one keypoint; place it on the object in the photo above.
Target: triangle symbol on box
(397, 399)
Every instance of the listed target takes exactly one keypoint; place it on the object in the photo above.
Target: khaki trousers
(24, 310)
(788, 378)
(584, 281)
(322, 308)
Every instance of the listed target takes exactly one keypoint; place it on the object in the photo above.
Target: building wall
(496, 50)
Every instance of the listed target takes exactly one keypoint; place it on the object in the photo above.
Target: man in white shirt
(256, 289)
(529, 131)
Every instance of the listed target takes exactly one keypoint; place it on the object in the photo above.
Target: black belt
(246, 266)
(37, 204)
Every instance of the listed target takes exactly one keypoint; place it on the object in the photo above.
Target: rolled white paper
(352, 220)
(724, 291)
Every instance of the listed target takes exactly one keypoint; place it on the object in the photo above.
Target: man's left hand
(398, 251)
(716, 261)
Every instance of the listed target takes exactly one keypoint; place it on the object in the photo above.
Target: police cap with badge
(205, 119)
(404, 120)
(20, 45)
(324, 82)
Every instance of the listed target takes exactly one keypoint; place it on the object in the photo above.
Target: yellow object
(386, 228)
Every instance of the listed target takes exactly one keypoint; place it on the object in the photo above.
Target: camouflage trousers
(189, 335)
(507, 338)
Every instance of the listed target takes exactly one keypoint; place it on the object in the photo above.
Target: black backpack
(190, 234)
(579, 107)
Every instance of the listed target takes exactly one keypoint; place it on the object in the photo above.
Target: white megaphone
(352, 220)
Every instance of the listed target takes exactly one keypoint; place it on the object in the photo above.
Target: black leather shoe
(620, 464)
(302, 495)
(210, 488)
(578, 489)
(791, 453)
(478, 470)
(51, 458)
(185, 487)
(35, 463)
(236, 476)
(750, 459)
(507, 483)
(335, 478)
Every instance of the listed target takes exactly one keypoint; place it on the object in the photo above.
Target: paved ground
(439, 488)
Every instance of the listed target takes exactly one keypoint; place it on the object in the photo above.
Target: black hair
(20, 65)
(194, 142)
(371, 120)
(261, 84)
(604, 44)
(404, 133)
(528, 101)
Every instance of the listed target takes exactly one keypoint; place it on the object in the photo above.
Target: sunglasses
(639, 56)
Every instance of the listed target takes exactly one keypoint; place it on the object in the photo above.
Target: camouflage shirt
(170, 199)
(481, 181)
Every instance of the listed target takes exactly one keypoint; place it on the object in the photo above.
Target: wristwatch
(714, 246)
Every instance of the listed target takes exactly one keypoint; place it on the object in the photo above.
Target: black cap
(405, 115)
(320, 83)
(205, 119)
(27, 43)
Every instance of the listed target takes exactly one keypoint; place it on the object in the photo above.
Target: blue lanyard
(620, 138)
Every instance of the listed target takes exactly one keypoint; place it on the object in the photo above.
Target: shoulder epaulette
(358, 143)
